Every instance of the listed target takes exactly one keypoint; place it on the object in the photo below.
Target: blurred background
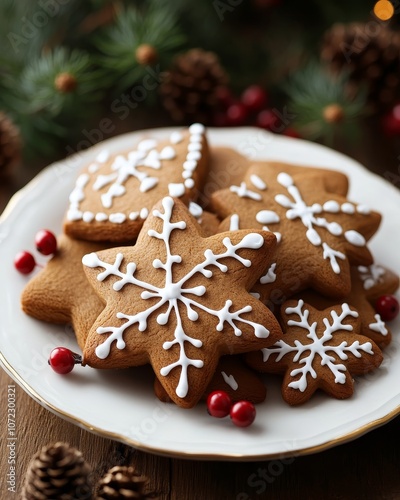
(74, 73)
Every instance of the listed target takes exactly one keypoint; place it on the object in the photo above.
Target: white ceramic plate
(121, 405)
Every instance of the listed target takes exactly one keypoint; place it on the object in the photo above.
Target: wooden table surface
(367, 468)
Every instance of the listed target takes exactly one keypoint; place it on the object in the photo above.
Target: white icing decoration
(197, 128)
(117, 218)
(176, 137)
(347, 208)
(77, 195)
(195, 209)
(267, 217)
(186, 174)
(189, 183)
(93, 168)
(318, 349)
(309, 216)
(101, 217)
(256, 295)
(230, 380)
(234, 222)
(363, 209)
(133, 215)
(243, 192)
(103, 156)
(258, 182)
(193, 155)
(146, 145)
(144, 213)
(270, 276)
(194, 146)
(355, 238)
(190, 165)
(371, 275)
(147, 184)
(379, 326)
(195, 138)
(175, 296)
(331, 206)
(87, 216)
(176, 190)
(168, 153)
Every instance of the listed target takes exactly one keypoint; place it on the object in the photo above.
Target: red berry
(254, 97)
(224, 96)
(387, 306)
(219, 404)
(24, 262)
(46, 242)
(267, 119)
(236, 114)
(291, 132)
(391, 121)
(62, 360)
(243, 413)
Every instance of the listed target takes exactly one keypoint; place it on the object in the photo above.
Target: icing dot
(176, 137)
(331, 206)
(234, 222)
(363, 209)
(93, 168)
(101, 217)
(144, 213)
(258, 182)
(176, 190)
(133, 215)
(194, 146)
(186, 174)
(103, 156)
(196, 128)
(168, 153)
(355, 238)
(88, 216)
(285, 179)
(189, 183)
(193, 155)
(267, 217)
(196, 138)
(190, 164)
(147, 144)
(347, 208)
(195, 209)
(117, 218)
(74, 214)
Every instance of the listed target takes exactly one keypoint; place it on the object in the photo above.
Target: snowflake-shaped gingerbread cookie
(115, 192)
(319, 350)
(179, 301)
(319, 233)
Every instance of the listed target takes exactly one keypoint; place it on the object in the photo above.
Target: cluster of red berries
(63, 360)
(250, 109)
(220, 405)
(46, 244)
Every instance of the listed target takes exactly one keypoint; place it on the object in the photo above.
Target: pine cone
(371, 57)
(189, 89)
(123, 483)
(59, 472)
(10, 145)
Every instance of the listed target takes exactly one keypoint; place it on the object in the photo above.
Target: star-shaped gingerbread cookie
(320, 233)
(179, 301)
(319, 350)
(114, 193)
(60, 293)
(367, 284)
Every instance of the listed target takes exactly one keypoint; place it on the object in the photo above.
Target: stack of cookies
(268, 271)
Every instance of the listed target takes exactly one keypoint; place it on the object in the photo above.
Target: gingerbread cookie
(367, 284)
(320, 233)
(60, 293)
(319, 350)
(179, 301)
(113, 195)
(231, 376)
